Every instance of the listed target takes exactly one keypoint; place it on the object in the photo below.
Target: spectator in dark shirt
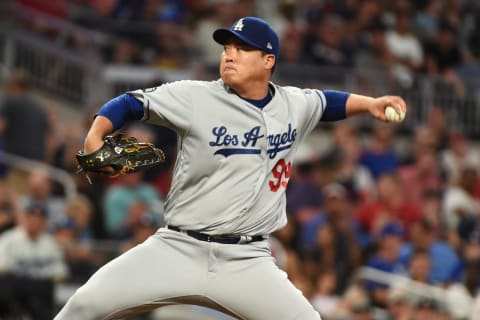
(443, 57)
(386, 259)
(379, 157)
(445, 261)
(24, 125)
(326, 45)
(18, 111)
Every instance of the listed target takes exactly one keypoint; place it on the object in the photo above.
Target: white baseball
(392, 115)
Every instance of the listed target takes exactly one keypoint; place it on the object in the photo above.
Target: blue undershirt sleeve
(335, 106)
(122, 109)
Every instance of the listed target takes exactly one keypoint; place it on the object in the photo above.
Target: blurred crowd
(396, 39)
(406, 204)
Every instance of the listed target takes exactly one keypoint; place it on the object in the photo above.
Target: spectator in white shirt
(30, 263)
(406, 50)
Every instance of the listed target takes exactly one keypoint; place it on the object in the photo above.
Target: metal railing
(50, 68)
(55, 174)
(404, 288)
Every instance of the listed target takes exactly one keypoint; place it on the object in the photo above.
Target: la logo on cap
(239, 25)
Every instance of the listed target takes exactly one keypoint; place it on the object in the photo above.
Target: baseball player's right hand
(377, 108)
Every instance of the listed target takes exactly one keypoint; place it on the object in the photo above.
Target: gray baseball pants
(241, 280)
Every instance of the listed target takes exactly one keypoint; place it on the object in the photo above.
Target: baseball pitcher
(237, 138)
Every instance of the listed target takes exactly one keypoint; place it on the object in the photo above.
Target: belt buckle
(245, 239)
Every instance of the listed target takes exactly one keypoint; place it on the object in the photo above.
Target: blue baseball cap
(253, 31)
(391, 229)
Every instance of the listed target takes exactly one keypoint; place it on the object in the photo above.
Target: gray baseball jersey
(235, 159)
(232, 169)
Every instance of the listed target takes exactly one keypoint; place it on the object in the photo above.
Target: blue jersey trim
(335, 106)
(231, 151)
(122, 109)
(262, 102)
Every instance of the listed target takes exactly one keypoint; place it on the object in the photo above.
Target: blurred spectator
(49, 9)
(291, 33)
(379, 156)
(475, 314)
(471, 260)
(9, 207)
(425, 140)
(431, 206)
(445, 261)
(387, 259)
(362, 313)
(366, 13)
(419, 266)
(32, 242)
(374, 61)
(459, 154)
(335, 242)
(56, 8)
(125, 201)
(290, 52)
(325, 42)
(288, 235)
(80, 211)
(443, 57)
(246, 8)
(399, 304)
(20, 110)
(172, 44)
(293, 267)
(64, 155)
(336, 207)
(389, 206)
(127, 10)
(427, 19)
(428, 308)
(436, 122)
(406, 50)
(124, 51)
(325, 298)
(357, 178)
(74, 233)
(354, 300)
(223, 12)
(30, 262)
(142, 228)
(81, 258)
(458, 301)
(39, 188)
(303, 283)
(93, 14)
(422, 176)
(459, 203)
(473, 37)
(452, 12)
(304, 193)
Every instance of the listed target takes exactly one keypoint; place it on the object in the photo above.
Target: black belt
(220, 239)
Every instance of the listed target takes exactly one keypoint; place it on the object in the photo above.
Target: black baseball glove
(119, 155)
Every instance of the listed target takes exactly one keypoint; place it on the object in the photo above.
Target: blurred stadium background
(383, 219)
